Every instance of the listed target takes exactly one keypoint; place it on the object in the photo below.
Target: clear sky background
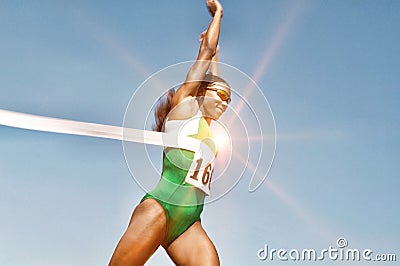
(329, 69)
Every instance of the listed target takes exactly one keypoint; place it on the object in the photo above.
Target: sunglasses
(222, 94)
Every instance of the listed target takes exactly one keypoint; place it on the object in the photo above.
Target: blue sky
(329, 70)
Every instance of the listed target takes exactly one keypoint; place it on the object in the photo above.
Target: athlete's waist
(178, 193)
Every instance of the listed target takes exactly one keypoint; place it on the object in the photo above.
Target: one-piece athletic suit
(183, 202)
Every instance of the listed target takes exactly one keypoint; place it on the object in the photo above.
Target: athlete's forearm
(214, 67)
(209, 44)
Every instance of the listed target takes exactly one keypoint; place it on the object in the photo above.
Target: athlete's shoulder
(187, 109)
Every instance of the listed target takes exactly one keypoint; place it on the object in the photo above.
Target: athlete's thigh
(193, 247)
(143, 236)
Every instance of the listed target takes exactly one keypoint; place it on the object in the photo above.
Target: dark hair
(209, 78)
(164, 103)
(162, 109)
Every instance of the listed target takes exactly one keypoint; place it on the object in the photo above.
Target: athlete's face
(216, 100)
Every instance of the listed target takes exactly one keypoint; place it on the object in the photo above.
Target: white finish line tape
(56, 125)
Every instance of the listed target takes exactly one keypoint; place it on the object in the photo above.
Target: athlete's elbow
(207, 51)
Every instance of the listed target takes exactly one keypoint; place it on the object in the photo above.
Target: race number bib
(200, 174)
(202, 167)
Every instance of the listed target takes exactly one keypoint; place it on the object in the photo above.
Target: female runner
(169, 215)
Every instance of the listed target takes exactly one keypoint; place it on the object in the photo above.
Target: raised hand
(214, 6)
